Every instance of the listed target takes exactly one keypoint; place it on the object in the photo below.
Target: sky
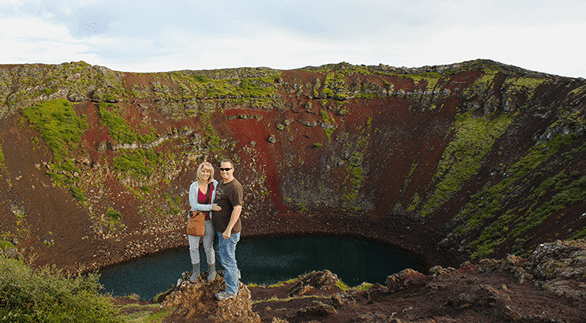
(157, 36)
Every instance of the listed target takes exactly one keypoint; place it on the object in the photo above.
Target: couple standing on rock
(226, 204)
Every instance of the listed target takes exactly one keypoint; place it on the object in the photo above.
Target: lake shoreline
(398, 232)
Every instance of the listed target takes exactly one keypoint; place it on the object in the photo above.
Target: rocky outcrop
(193, 302)
(405, 279)
(320, 279)
(560, 267)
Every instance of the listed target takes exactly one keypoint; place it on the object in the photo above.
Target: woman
(197, 197)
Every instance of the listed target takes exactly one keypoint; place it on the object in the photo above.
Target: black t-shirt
(228, 195)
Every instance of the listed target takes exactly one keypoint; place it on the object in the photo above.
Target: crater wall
(450, 162)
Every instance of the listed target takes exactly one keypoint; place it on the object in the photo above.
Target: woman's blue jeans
(227, 253)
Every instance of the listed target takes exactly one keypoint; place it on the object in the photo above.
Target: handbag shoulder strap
(208, 194)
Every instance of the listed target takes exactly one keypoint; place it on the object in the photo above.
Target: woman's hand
(215, 207)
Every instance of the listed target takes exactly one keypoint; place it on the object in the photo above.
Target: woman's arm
(195, 205)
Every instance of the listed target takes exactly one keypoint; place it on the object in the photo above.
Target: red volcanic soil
(55, 213)
(57, 221)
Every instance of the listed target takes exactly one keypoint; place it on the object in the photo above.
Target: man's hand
(233, 219)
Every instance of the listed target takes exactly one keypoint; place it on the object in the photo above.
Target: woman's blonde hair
(208, 166)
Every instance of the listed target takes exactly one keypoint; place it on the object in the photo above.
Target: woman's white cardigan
(195, 205)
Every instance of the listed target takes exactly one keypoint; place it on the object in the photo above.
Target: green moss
(367, 90)
(363, 287)
(77, 194)
(48, 91)
(579, 90)
(135, 163)
(412, 169)
(342, 108)
(357, 175)
(482, 84)
(356, 178)
(569, 195)
(113, 214)
(342, 67)
(62, 172)
(147, 189)
(330, 123)
(492, 236)
(151, 313)
(150, 137)
(415, 200)
(355, 171)
(490, 201)
(174, 203)
(430, 79)
(523, 84)
(342, 286)
(248, 85)
(548, 183)
(5, 244)
(335, 87)
(460, 161)
(282, 283)
(327, 90)
(118, 128)
(579, 235)
(316, 87)
(518, 248)
(538, 154)
(2, 158)
(58, 125)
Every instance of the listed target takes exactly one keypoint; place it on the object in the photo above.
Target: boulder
(406, 279)
(316, 279)
(195, 302)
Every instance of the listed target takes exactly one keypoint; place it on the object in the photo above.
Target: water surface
(265, 261)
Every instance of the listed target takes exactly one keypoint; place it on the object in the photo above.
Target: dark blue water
(265, 261)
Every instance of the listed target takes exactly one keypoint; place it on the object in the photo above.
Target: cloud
(545, 48)
(158, 36)
(32, 40)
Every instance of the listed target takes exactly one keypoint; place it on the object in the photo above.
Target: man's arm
(233, 219)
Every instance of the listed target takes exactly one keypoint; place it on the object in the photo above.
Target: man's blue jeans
(227, 252)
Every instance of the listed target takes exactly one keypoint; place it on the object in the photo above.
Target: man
(227, 224)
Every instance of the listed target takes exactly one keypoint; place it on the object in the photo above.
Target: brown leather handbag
(196, 224)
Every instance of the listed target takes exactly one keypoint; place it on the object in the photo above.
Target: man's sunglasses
(225, 169)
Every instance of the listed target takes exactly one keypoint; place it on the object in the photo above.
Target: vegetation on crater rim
(473, 139)
(492, 101)
(490, 201)
(119, 128)
(58, 125)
